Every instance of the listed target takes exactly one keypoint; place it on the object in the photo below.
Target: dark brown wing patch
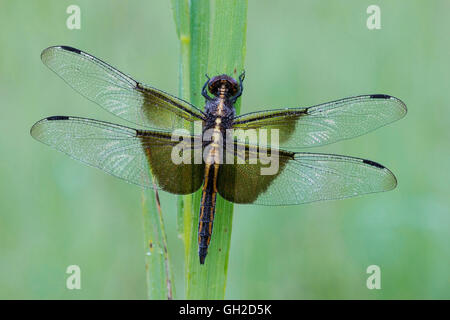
(174, 178)
(243, 183)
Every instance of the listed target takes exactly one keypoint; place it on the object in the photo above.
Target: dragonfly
(145, 157)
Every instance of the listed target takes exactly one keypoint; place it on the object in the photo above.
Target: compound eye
(213, 88)
(223, 80)
(234, 88)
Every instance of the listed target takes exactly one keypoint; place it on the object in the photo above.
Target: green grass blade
(157, 266)
(181, 16)
(217, 32)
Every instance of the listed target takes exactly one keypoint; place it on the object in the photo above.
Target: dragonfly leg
(241, 87)
(204, 90)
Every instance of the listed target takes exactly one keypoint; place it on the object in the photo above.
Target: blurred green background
(55, 212)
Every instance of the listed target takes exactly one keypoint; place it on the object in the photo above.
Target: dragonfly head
(223, 85)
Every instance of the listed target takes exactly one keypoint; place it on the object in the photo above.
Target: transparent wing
(118, 93)
(302, 178)
(137, 156)
(325, 123)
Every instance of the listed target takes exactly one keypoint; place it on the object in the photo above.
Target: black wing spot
(373, 163)
(58, 118)
(78, 51)
(380, 96)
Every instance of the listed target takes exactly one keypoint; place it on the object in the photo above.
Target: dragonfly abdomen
(207, 210)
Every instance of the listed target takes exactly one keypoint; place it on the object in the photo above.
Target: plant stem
(216, 31)
(157, 266)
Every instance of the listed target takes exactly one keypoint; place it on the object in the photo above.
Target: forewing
(325, 123)
(139, 157)
(303, 178)
(117, 92)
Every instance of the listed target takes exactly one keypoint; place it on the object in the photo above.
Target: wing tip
(391, 180)
(400, 103)
(394, 182)
(46, 51)
(35, 127)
